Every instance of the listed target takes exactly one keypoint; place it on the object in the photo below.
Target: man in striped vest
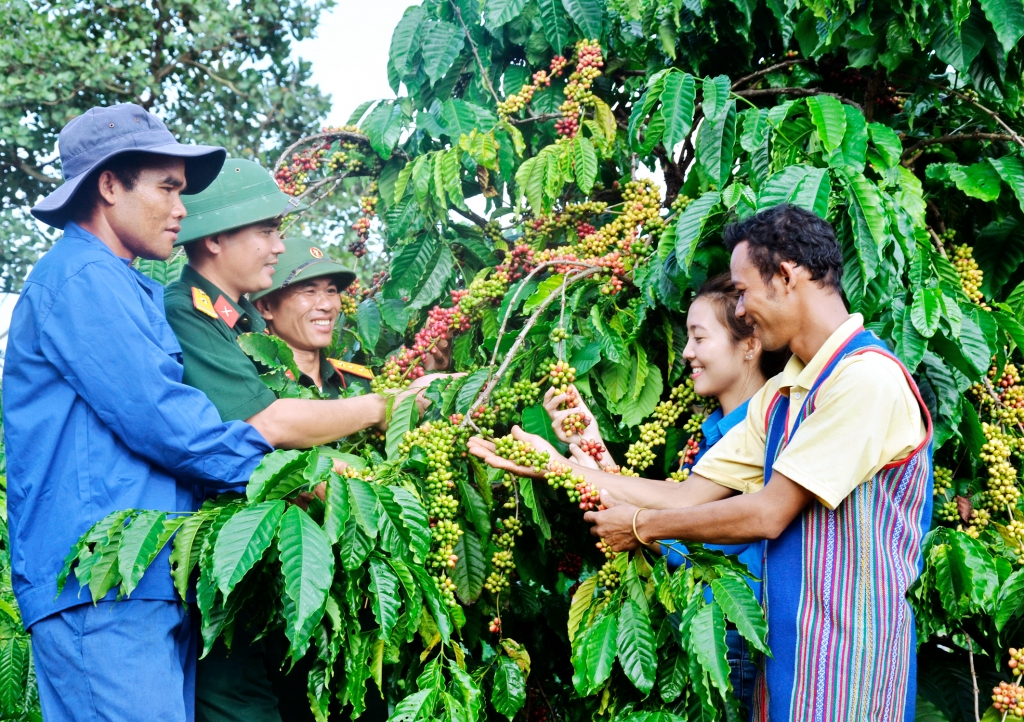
(847, 499)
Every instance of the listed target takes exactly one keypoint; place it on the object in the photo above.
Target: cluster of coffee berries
(502, 562)
(578, 93)
(521, 453)
(400, 370)
(561, 375)
(1002, 476)
(1016, 662)
(575, 423)
(558, 334)
(293, 177)
(979, 518)
(943, 480)
(495, 626)
(640, 453)
(467, 305)
(348, 305)
(971, 276)
(571, 565)
(1013, 533)
(680, 203)
(1008, 699)
(638, 217)
(515, 102)
(948, 511)
(593, 448)
(368, 208)
(442, 443)
(608, 577)
(485, 417)
(506, 400)
(578, 489)
(1010, 396)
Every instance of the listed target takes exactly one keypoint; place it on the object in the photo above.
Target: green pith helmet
(302, 261)
(244, 193)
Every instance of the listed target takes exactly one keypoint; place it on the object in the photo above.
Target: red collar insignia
(226, 311)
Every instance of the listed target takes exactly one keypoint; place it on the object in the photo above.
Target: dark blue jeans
(742, 670)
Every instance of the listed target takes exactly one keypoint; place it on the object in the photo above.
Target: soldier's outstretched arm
(302, 423)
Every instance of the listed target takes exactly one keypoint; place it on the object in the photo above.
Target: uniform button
(796, 395)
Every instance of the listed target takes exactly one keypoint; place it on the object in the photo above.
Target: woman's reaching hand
(484, 449)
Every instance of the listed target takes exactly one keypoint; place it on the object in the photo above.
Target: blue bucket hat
(100, 134)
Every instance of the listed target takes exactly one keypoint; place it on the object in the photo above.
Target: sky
(350, 53)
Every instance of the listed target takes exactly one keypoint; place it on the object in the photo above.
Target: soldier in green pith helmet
(232, 240)
(302, 307)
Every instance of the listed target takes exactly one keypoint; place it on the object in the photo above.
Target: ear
(212, 245)
(264, 308)
(109, 187)
(788, 272)
(751, 347)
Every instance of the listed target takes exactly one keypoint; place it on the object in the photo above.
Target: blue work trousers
(117, 661)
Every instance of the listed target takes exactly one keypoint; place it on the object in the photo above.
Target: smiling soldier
(302, 307)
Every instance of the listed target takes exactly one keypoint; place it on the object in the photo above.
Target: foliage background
(894, 120)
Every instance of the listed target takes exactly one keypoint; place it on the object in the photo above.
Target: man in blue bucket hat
(98, 420)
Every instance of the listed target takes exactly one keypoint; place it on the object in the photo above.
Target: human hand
(439, 357)
(422, 402)
(484, 449)
(427, 379)
(552, 401)
(303, 498)
(582, 458)
(339, 466)
(614, 524)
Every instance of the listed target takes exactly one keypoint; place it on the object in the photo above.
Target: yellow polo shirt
(866, 416)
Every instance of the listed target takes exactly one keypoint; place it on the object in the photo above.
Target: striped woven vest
(839, 624)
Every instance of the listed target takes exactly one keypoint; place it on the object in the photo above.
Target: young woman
(727, 363)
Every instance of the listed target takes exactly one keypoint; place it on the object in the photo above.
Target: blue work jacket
(714, 428)
(96, 418)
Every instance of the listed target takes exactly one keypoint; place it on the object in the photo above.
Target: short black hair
(126, 167)
(790, 233)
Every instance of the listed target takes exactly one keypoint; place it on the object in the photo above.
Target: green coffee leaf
(677, 107)
(144, 538)
(829, 120)
(737, 600)
(470, 569)
(691, 224)
(637, 647)
(707, 645)
(509, 693)
(307, 565)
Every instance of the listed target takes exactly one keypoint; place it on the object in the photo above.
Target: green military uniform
(245, 685)
(208, 324)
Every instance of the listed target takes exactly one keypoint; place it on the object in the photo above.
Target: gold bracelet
(635, 515)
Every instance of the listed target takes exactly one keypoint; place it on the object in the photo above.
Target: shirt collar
(73, 230)
(247, 313)
(718, 424)
(801, 376)
(327, 370)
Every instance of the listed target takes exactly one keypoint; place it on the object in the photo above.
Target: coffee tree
(513, 186)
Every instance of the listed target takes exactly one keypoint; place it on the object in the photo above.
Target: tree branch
(331, 135)
(991, 113)
(471, 216)
(535, 118)
(954, 138)
(223, 81)
(30, 170)
(799, 92)
(485, 392)
(765, 71)
(476, 54)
